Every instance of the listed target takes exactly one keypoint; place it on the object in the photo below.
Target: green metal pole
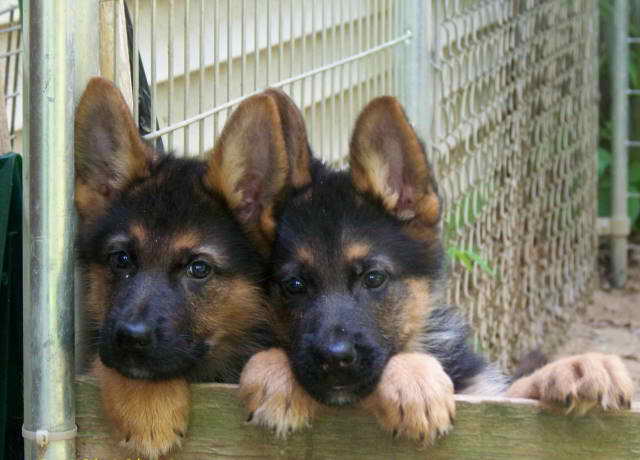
(49, 412)
(620, 82)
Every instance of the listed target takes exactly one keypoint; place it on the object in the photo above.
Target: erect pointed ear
(263, 149)
(388, 161)
(109, 152)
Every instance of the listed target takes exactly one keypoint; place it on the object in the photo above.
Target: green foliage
(470, 258)
(605, 182)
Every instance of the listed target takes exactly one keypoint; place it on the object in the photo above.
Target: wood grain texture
(486, 428)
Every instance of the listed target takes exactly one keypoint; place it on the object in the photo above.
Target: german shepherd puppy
(173, 251)
(358, 275)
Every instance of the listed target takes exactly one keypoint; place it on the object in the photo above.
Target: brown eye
(120, 261)
(199, 269)
(374, 279)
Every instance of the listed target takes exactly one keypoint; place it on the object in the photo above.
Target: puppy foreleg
(149, 417)
(272, 395)
(579, 382)
(414, 398)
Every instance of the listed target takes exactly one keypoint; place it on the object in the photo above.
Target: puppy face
(357, 260)
(172, 249)
(172, 277)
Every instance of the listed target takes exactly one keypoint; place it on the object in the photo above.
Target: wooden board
(486, 428)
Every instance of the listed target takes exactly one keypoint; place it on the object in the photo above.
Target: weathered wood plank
(491, 428)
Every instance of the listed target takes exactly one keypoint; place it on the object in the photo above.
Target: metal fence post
(620, 81)
(49, 412)
(417, 91)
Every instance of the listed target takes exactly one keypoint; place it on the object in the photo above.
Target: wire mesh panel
(202, 57)
(514, 142)
(513, 91)
(10, 69)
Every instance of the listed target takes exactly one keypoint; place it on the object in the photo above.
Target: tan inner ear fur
(262, 149)
(295, 137)
(103, 112)
(383, 138)
(255, 125)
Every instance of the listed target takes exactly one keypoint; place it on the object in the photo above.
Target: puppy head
(357, 259)
(168, 245)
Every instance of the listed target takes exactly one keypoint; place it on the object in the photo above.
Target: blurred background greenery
(606, 127)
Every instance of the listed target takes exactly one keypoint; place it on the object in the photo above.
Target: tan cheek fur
(97, 294)
(403, 319)
(149, 417)
(226, 312)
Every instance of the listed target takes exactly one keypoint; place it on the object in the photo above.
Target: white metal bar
(620, 81)
(303, 53)
(243, 46)
(216, 59)
(291, 41)
(229, 54)
(170, 66)
(287, 81)
(201, 79)
(268, 17)
(187, 74)
(136, 62)
(256, 46)
(153, 76)
(314, 59)
(116, 38)
(323, 94)
(10, 53)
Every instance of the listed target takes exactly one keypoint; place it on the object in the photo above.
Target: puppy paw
(580, 383)
(272, 395)
(414, 398)
(150, 418)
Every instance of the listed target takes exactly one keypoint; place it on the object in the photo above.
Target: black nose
(134, 336)
(338, 355)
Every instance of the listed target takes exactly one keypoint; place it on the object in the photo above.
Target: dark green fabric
(10, 307)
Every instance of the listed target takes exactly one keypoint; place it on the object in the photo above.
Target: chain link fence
(514, 140)
(506, 101)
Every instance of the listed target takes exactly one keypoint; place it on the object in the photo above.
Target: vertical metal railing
(49, 418)
(619, 224)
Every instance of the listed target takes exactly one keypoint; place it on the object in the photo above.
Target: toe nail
(250, 417)
(568, 400)
(179, 433)
(421, 437)
(395, 434)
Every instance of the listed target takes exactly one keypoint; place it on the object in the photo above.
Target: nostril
(342, 354)
(136, 335)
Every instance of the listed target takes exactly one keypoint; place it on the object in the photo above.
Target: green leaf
(604, 160)
(468, 258)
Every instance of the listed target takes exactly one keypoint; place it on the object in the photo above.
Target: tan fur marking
(414, 398)
(139, 233)
(149, 417)
(403, 316)
(272, 395)
(304, 254)
(356, 251)
(97, 294)
(581, 382)
(188, 239)
(226, 311)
